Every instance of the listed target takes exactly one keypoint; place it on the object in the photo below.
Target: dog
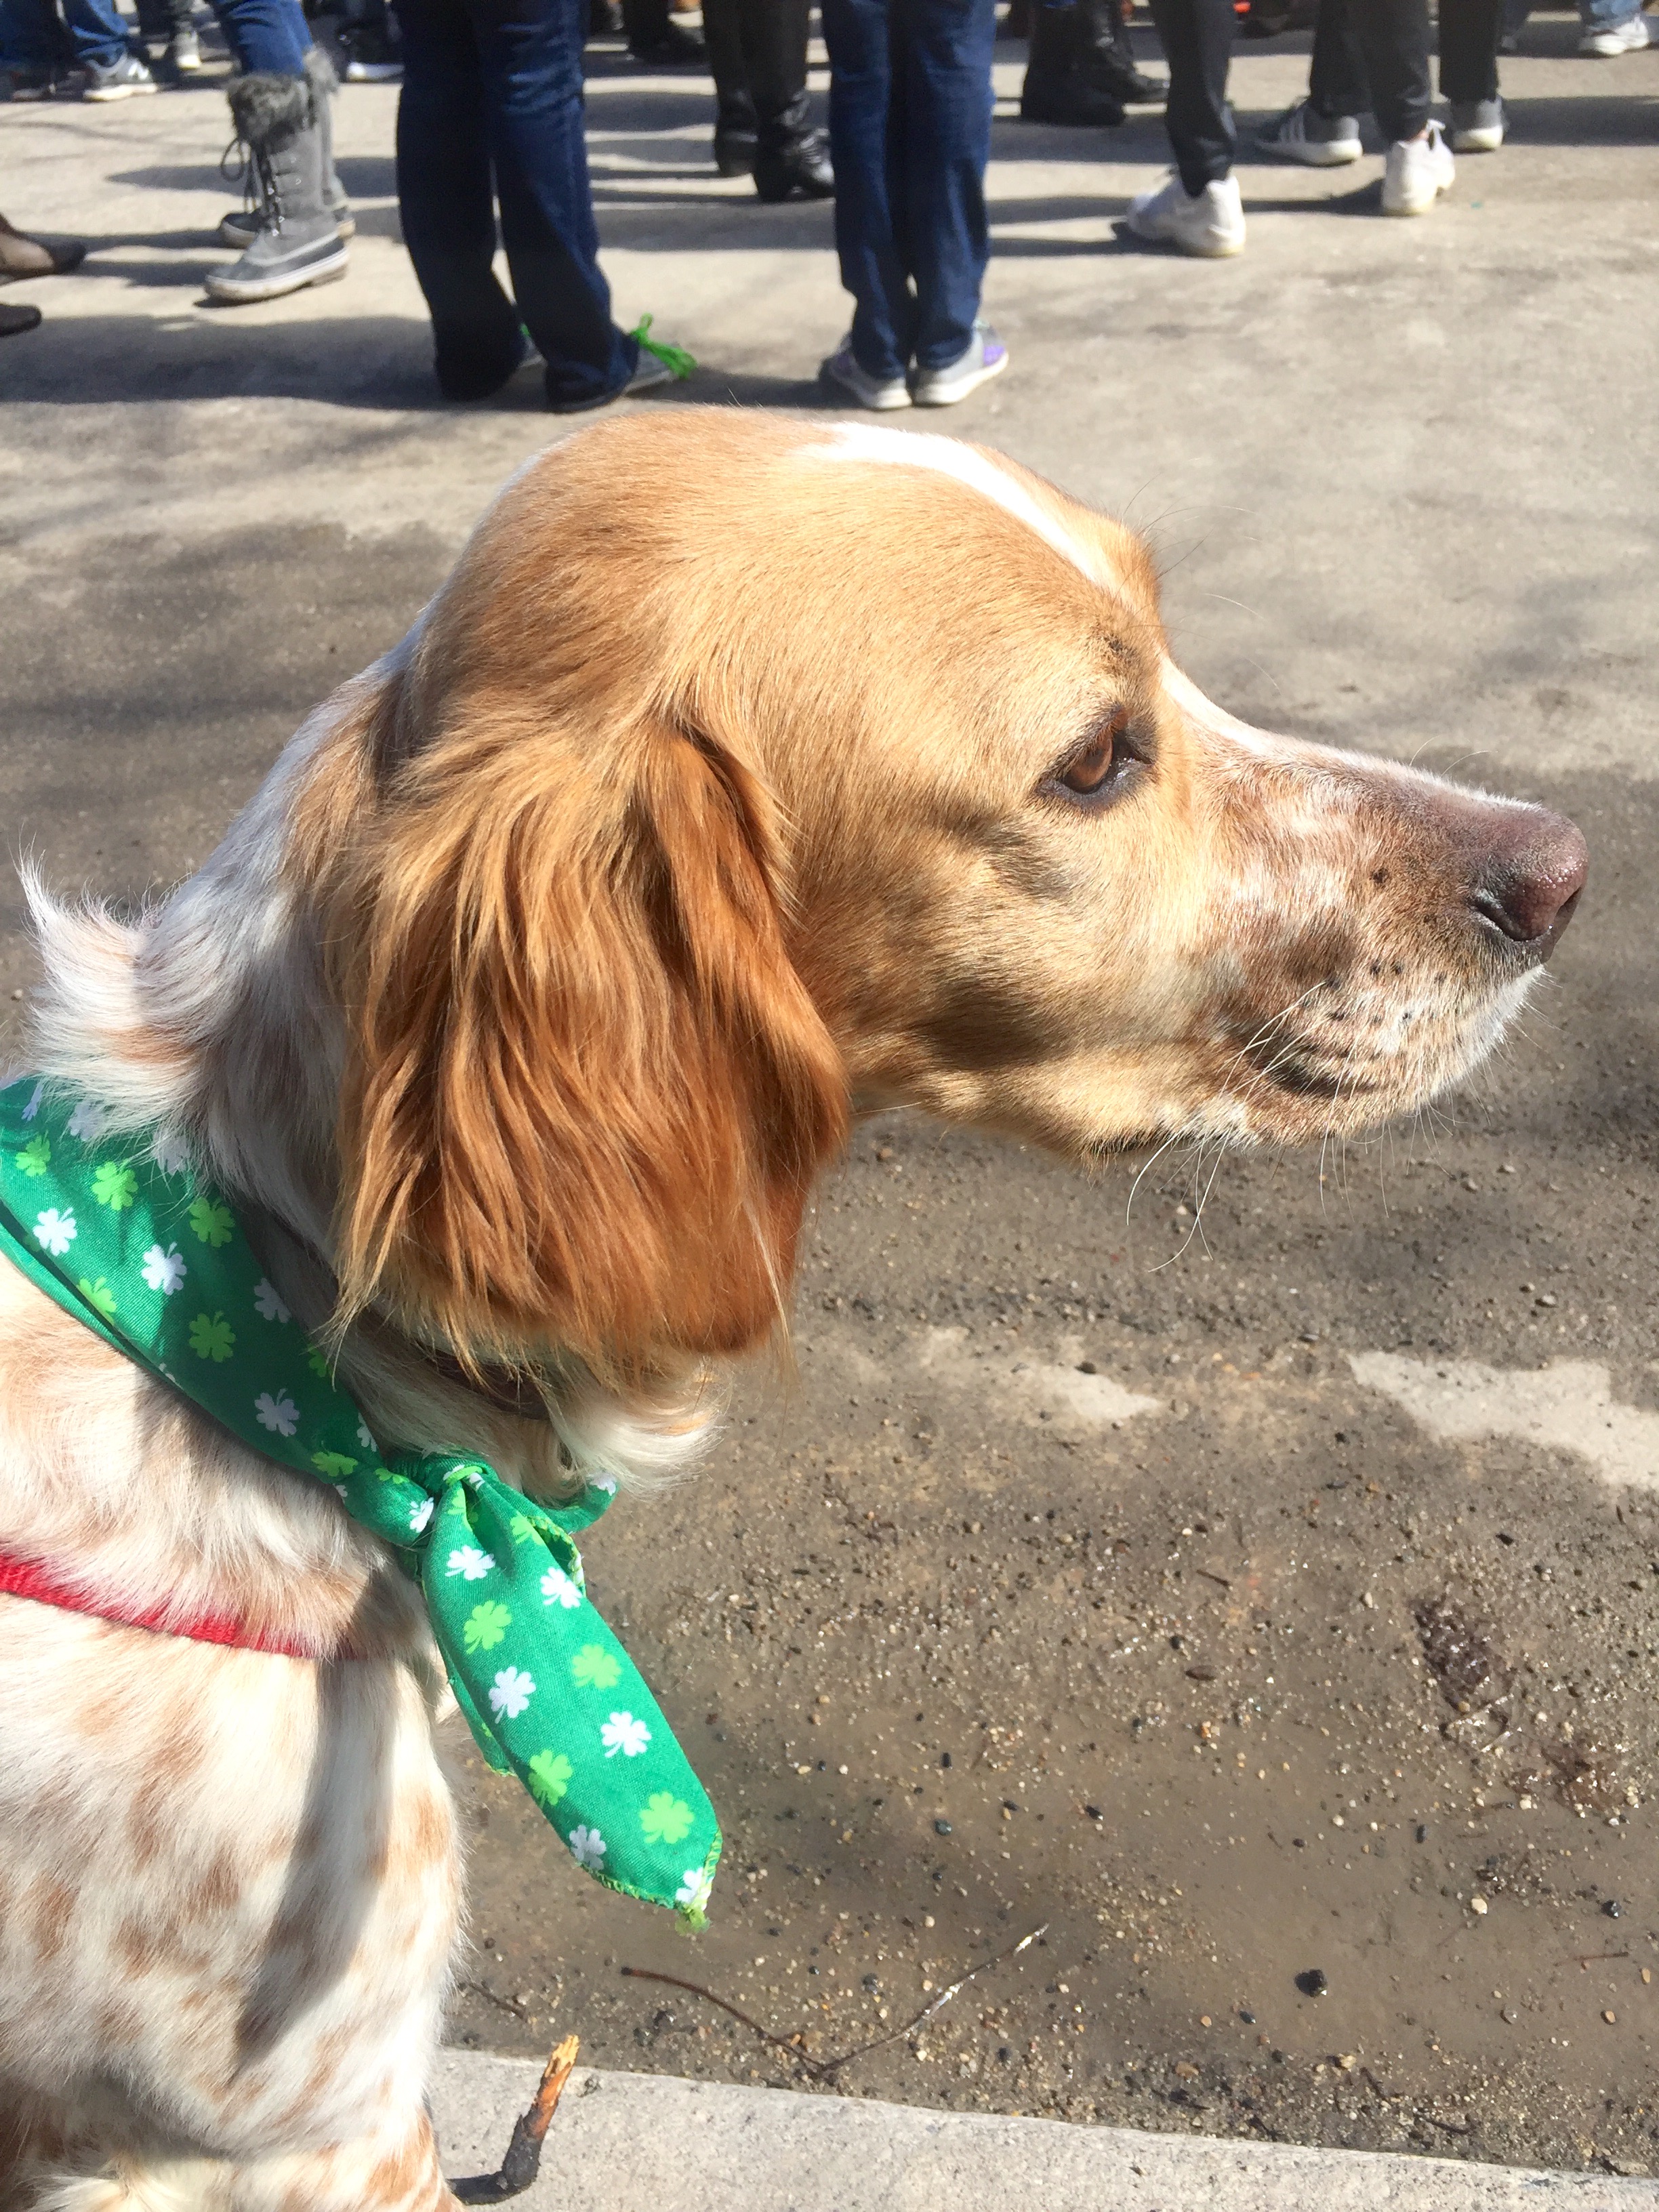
(746, 775)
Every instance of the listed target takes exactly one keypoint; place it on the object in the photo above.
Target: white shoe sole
(372, 72)
(1218, 245)
(882, 401)
(1330, 154)
(1477, 142)
(947, 395)
(278, 288)
(1414, 206)
(1613, 50)
(102, 97)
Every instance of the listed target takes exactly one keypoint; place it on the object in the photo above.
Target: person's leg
(1392, 37)
(792, 157)
(1337, 83)
(947, 52)
(530, 53)
(97, 31)
(29, 41)
(446, 202)
(734, 106)
(1468, 50)
(1616, 21)
(1197, 41)
(266, 37)
(858, 34)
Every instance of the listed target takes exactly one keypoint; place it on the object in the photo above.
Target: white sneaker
(1419, 170)
(842, 372)
(1210, 223)
(1627, 38)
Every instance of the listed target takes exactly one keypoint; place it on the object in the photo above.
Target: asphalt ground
(1321, 1615)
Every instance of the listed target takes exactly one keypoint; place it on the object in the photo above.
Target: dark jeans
(758, 55)
(160, 19)
(1375, 54)
(494, 88)
(1197, 36)
(31, 39)
(268, 37)
(909, 135)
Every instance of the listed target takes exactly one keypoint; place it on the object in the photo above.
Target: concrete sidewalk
(624, 2142)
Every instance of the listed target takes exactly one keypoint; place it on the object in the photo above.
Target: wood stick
(524, 2153)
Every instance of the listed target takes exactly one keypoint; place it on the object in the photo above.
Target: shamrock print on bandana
(586, 1847)
(267, 1304)
(486, 1624)
(666, 1818)
(279, 1414)
(694, 1890)
(88, 1121)
(622, 1732)
(550, 1776)
(164, 1271)
(115, 1186)
(594, 1668)
(469, 1561)
(55, 1230)
(211, 1223)
(212, 1337)
(35, 1158)
(98, 1294)
(510, 1692)
(558, 1589)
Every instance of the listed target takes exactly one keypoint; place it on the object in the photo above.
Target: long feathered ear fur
(587, 1092)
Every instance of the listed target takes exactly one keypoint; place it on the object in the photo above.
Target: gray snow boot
(280, 120)
(241, 227)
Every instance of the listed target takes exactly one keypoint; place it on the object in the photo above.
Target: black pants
(757, 54)
(1197, 44)
(1374, 54)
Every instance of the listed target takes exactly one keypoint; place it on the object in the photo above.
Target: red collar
(32, 1579)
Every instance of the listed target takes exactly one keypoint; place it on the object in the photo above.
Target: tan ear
(587, 1092)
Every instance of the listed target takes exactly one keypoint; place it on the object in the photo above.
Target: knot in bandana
(117, 1231)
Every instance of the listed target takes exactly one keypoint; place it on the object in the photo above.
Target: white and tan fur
(721, 793)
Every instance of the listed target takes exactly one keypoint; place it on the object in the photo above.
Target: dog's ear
(586, 1092)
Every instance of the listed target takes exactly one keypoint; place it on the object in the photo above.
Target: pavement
(1012, 1609)
(620, 2141)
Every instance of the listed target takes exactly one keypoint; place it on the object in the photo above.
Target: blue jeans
(268, 36)
(31, 39)
(495, 86)
(910, 133)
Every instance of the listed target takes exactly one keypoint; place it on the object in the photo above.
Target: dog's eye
(1092, 773)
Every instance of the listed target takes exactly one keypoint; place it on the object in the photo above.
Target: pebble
(1478, 1905)
(1611, 2018)
(941, 1827)
(1312, 1983)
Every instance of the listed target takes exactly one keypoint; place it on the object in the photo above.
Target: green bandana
(119, 1233)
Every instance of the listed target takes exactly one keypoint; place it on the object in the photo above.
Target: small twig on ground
(1595, 1958)
(1209, 1577)
(524, 2153)
(824, 2069)
(507, 2004)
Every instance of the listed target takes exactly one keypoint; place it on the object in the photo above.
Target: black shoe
(26, 84)
(1106, 59)
(734, 152)
(14, 321)
(1068, 99)
(678, 48)
(604, 19)
(799, 170)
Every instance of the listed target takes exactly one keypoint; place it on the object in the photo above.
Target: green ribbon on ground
(121, 1235)
(679, 363)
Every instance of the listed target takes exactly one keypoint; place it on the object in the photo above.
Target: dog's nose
(1529, 882)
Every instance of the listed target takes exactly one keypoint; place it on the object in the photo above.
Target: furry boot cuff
(268, 109)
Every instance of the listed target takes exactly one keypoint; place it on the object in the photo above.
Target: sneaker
(1303, 134)
(876, 392)
(1419, 170)
(26, 84)
(1210, 223)
(1477, 126)
(984, 357)
(14, 321)
(117, 80)
(184, 53)
(1627, 38)
(371, 58)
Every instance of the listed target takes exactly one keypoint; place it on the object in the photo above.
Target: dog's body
(518, 1011)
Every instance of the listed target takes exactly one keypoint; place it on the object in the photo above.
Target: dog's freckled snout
(1530, 877)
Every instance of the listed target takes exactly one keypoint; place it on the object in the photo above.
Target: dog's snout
(1529, 878)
